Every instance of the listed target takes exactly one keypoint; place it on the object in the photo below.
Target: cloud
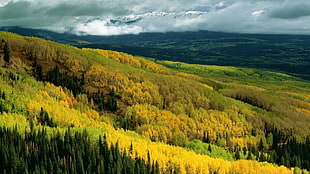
(106, 17)
(98, 27)
(292, 10)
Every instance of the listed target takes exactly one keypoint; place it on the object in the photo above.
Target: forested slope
(252, 114)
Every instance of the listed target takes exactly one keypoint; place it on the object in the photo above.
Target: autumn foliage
(159, 109)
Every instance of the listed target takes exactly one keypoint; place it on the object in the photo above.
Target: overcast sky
(112, 17)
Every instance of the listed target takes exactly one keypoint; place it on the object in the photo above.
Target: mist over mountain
(104, 17)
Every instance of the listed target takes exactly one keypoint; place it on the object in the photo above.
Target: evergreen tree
(244, 150)
(261, 145)
(237, 154)
(206, 137)
(112, 102)
(35, 152)
(37, 70)
(229, 144)
(249, 157)
(209, 148)
(6, 51)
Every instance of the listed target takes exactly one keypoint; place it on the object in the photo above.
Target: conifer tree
(237, 154)
(209, 148)
(261, 145)
(6, 51)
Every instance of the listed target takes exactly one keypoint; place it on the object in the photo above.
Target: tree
(112, 101)
(237, 154)
(261, 145)
(249, 157)
(209, 148)
(244, 151)
(37, 70)
(206, 137)
(6, 51)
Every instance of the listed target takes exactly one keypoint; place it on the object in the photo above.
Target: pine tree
(237, 154)
(249, 157)
(206, 137)
(6, 51)
(209, 148)
(244, 150)
(37, 70)
(261, 145)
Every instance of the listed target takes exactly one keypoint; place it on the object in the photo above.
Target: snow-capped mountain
(127, 20)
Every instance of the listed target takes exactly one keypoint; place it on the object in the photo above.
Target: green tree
(209, 148)
(37, 70)
(249, 157)
(6, 51)
(261, 145)
(237, 154)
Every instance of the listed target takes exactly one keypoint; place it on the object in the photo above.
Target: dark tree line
(72, 153)
(289, 151)
(37, 69)
(110, 103)
(3, 103)
(71, 82)
(55, 76)
(285, 150)
(6, 52)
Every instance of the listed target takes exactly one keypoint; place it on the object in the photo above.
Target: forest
(148, 115)
(275, 52)
(35, 152)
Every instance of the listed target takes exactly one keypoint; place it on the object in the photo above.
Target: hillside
(158, 109)
(281, 53)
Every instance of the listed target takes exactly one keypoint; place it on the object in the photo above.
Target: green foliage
(287, 53)
(10, 101)
(209, 149)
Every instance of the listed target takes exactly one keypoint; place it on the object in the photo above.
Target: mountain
(165, 115)
(280, 53)
(127, 20)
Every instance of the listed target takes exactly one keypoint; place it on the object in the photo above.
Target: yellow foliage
(164, 126)
(131, 60)
(187, 161)
(304, 111)
(74, 64)
(59, 111)
(11, 119)
(92, 114)
(70, 100)
(167, 156)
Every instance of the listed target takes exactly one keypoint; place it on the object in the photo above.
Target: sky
(114, 17)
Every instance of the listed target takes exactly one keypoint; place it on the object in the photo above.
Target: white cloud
(98, 27)
(258, 13)
(107, 17)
